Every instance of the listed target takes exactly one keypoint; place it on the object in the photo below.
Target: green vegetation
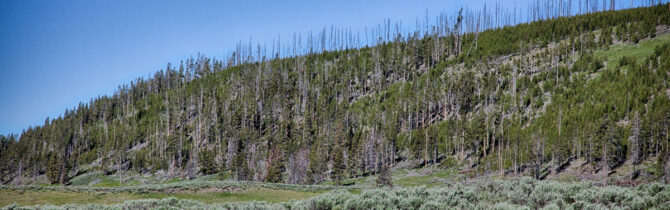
(429, 109)
(642, 50)
(430, 178)
(61, 198)
(202, 191)
(524, 193)
(416, 98)
(216, 195)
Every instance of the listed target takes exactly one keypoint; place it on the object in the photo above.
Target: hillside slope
(510, 99)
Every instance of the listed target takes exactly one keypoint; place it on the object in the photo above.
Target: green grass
(253, 194)
(42, 197)
(404, 178)
(97, 188)
(99, 179)
(640, 51)
(429, 180)
(173, 180)
(108, 182)
(520, 193)
(566, 177)
(59, 195)
(21, 197)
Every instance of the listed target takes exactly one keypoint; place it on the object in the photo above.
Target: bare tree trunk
(462, 143)
(502, 134)
(425, 159)
(486, 142)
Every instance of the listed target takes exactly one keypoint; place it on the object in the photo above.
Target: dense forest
(480, 89)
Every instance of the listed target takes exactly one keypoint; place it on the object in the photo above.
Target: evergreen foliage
(504, 97)
(384, 178)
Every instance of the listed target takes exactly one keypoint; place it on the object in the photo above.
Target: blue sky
(55, 54)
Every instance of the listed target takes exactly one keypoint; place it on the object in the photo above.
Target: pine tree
(387, 98)
(666, 163)
(240, 165)
(53, 168)
(318, 159)
(338, 165)
(384, 178)
(208, 162)
(635, 143)
(276, 167)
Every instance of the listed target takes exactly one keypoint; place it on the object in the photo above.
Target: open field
(202, 191)
(206, 195)
(517, 193)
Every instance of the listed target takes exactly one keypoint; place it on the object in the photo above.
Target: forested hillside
(471, 91)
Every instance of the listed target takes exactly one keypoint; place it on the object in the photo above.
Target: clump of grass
(87, 178)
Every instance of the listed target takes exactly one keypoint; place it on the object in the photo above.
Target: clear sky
(55, 54)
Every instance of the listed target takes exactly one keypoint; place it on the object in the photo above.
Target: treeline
(509, 98)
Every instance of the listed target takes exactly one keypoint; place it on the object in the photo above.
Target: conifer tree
(384, 178)
(208, 162)
(53, 168)
(338, 165)
(276, 167)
